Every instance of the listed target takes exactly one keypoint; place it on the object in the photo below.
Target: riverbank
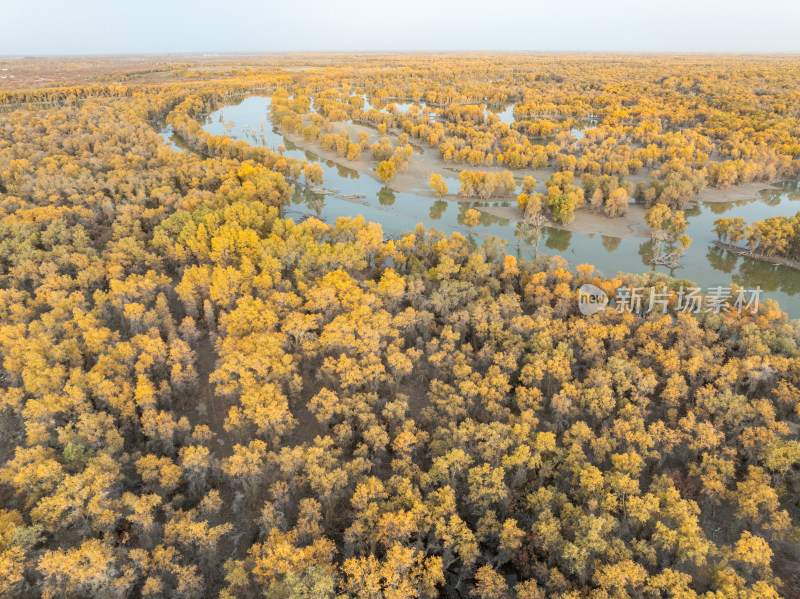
(423, 163)
(427, 161)
(610, 244)
(740, 251)
(743, 192)
(632, 225)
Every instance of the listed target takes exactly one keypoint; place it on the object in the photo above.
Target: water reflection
(342, 171)
(721, 259)
(559, 240)
(386, 197)
(610, 244)
(437, 209)
(399, 212)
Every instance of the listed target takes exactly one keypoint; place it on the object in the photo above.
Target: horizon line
(212, 53)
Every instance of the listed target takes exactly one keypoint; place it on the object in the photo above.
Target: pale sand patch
(586, 221)
(746, 191)
(416, 175)
(421, 166)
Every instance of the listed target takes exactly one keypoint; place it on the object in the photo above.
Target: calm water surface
(398, 212)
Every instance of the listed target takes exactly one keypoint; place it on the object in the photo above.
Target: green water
(397, 212)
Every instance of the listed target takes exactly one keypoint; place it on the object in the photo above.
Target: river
(397, 212)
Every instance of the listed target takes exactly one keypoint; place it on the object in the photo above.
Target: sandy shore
(414, 180)
(587, 221)
(422, 165)
(746, 191)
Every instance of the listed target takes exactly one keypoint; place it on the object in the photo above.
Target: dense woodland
(653, 131)
(201, 398)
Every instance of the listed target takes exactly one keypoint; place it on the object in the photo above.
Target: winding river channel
(398, 212)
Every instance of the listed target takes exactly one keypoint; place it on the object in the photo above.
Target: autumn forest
(205, 392)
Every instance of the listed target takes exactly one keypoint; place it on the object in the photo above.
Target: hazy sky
(150, 26)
